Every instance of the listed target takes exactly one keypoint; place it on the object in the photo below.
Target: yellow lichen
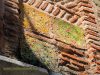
(26, 23)
(40, 20)
(47, 25)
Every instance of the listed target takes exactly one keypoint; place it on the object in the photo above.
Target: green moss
(27, 55)
(68, 33)
(44, 51)
(46, 25)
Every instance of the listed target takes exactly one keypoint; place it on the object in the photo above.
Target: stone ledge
(10, 66)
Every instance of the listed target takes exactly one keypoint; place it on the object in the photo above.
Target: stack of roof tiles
(79, 12)
(10, 27)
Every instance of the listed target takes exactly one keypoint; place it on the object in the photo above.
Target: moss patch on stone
(52, 27)
(45, 52)
(68, 33)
